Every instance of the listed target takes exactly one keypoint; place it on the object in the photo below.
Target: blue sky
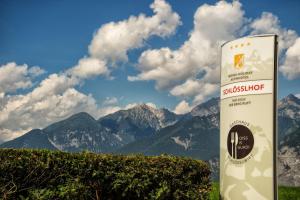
(55, 35)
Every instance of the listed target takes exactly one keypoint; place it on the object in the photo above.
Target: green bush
(43, 174)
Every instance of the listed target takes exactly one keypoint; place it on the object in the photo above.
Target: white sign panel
(248, 119)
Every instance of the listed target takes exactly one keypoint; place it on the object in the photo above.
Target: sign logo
(240, 142)
(239, 61)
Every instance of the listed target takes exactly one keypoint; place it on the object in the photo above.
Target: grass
(287, 193)
(214, 194)
(284, 193)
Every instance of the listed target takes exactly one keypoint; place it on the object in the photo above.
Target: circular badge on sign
(240, 141)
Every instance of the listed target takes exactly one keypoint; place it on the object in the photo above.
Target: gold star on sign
(242, 45)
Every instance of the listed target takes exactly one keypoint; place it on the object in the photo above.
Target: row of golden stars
(241, 45)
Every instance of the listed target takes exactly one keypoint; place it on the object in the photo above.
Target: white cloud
(208, 90)
(297, 95)
(112, 41)
(110, 106)
(7, 134)
(55, 97)
(269, 23)
(110, 101)
(189, 72)
(289, 43)
(49, 103)
(187, 89)
(152, 105)
(291, 65)
(108, 110)
(178, 70)
(89, 67)
(130, 105)
(36, 71)
(53, 84)
(21, 112)
(192, 71)
(14, 77)
(182, 108)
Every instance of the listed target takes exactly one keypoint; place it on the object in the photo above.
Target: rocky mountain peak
(80, 120)
(290, 99)
(81, 115)
(144, 106)
(147, 108)
(149, 114)
(289, 107)
(210, 107)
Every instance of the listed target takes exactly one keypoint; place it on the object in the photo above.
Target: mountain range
(151, 131)
(196, 135)
(82, 132)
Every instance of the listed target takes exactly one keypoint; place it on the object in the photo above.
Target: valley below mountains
(151, 131)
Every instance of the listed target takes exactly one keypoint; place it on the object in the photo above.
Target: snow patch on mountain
(185, 143)
(118, 137)
(59, 147)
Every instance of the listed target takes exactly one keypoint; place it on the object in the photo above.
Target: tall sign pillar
(248, 120)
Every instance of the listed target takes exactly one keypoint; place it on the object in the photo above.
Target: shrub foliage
(44, 174)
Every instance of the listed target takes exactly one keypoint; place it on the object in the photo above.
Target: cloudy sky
(58, 58)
